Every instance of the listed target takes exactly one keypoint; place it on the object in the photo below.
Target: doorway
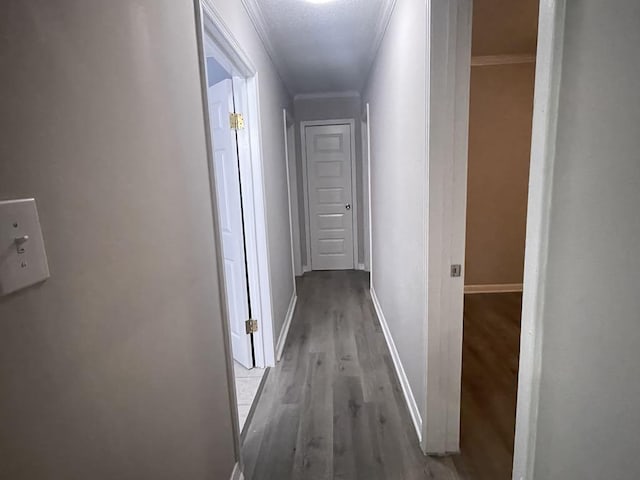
(450, 75)
(228, 186)
(500, 102)
(329, 179)
(229, 88)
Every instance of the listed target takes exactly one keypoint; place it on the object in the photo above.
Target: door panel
(227, 185)
(329, 163)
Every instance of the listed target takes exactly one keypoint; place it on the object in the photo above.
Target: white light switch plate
(23, 260)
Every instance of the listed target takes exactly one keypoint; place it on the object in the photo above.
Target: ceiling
(321, 47)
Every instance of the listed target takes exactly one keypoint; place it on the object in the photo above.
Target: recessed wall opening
(236, 185)
(500, 122)
(228, 187)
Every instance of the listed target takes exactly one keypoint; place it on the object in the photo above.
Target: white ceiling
(324, 47)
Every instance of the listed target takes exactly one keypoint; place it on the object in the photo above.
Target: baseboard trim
(237, 473)
(497, 288)
(360, 266)
(306, 268)
(397, 363)
(282, 339)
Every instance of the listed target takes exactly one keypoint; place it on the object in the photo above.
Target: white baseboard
(402, 376)
(306, 268)
(498, 288)
(285, 327)
(237, 473)
(360, 266)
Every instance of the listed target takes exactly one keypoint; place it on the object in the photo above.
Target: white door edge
(548, 76)
(545, 114)
(369, 257)
(290, 197)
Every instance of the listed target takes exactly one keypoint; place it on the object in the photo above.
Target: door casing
(212, 31)
(292, 176)
(354, 192)
(446, 327)
(366, 187)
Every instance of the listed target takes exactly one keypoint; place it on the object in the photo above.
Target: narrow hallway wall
(396, 88)
(115, 366)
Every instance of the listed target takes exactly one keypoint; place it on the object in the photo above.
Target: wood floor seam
(333, 408)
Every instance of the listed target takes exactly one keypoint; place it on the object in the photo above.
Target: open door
(228, 190)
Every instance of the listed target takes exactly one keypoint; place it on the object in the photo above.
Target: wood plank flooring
(490, 353)
(332, 408)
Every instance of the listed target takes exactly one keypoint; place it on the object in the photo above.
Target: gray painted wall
(589, 416)
(397, 85)
(330, 109)
(114, 367)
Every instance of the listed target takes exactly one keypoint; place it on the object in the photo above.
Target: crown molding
(318, 95)
(510, 59)
(255, 15)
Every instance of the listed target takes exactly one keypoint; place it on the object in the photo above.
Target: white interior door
(227, 183)
(330, 196)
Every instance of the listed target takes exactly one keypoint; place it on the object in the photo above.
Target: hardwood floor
(490, 352)
(332, 408)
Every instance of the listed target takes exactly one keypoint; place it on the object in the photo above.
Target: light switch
(23, 261)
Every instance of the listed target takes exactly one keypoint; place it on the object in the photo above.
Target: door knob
(348, 206)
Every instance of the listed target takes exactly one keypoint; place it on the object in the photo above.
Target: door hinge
(236, 121)
(251, 326)
(456, 270)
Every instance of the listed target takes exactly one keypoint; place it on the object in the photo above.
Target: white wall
(589, 417)
(395, 90)
(330, 108)
(115, 366)
(273, 98)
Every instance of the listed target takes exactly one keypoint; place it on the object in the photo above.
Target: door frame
(305, 181)
(292, 184)
(543, 140)
(444, 410)
(212, 30)
(366, 187)
(448, 78)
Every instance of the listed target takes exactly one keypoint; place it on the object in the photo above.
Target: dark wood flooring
(332, 408)
(490, 352)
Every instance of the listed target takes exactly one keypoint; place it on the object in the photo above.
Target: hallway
(332, 408)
